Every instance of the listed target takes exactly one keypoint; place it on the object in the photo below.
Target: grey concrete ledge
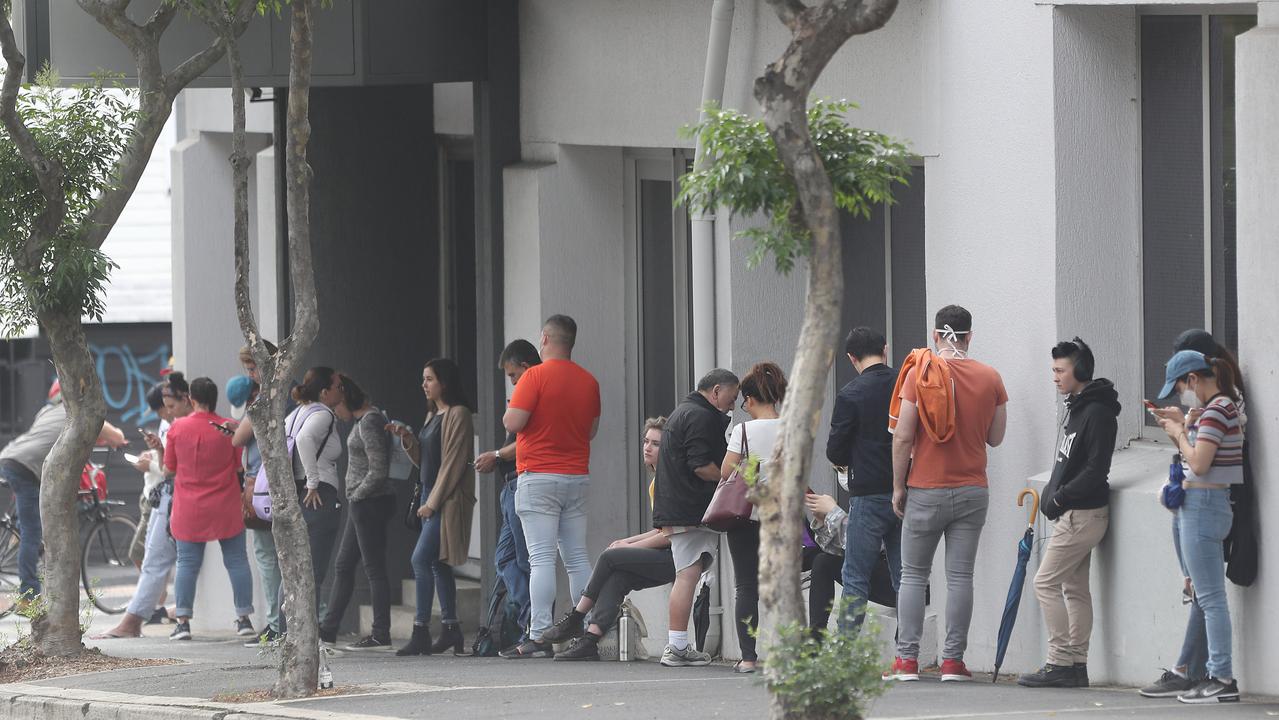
(40, 702)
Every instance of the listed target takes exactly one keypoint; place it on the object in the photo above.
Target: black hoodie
(1080, 479)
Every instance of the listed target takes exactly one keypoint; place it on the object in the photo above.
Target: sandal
(742, 669)
(113, 635)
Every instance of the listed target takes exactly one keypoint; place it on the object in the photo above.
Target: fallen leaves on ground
(257, 696)
(22, 663)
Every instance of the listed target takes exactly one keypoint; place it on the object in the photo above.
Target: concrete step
(468, 611)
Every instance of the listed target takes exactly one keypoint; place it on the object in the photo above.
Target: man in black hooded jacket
(1077, 500)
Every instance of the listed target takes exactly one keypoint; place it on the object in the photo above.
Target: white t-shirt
(761, 435)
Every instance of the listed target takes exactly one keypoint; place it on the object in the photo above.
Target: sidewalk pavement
(423, 687)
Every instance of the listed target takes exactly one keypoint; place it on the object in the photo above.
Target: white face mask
(950, 336)
(1189, 398)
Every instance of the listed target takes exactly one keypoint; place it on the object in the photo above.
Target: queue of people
(909, 445)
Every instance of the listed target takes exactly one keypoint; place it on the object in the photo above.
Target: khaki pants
(1062, 583)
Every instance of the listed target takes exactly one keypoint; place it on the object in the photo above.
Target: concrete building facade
(1076, 175)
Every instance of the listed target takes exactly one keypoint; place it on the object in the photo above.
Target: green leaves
(829, 678)
(85, 129)
(744, 174)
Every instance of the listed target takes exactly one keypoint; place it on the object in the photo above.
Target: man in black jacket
(1077, 500)
(693, 446)
(859, 441)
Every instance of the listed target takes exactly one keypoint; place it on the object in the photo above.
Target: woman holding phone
(443, 453)
(206, 506)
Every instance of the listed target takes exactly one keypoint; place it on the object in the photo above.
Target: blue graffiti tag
(136, 381)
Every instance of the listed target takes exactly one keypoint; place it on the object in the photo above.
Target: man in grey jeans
(939, 453)
(554, 413)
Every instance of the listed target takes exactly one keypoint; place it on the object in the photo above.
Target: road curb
(39, 702)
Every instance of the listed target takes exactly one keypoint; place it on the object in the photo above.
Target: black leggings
(827, 571)
(619, 571)
(743, 547)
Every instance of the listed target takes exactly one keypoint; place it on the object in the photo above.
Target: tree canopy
(85, 130)
(745, 174)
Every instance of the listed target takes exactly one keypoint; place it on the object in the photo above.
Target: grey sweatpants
(958, 514)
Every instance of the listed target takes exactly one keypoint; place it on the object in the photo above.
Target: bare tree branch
(160, 19)
(48, 171)
(788, 11)
(157, 92)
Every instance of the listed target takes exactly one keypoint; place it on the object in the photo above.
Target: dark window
(660, 385)
(883, 262)
(1186, 200)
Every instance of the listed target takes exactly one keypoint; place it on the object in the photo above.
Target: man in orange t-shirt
(947, 495)
(554, 413)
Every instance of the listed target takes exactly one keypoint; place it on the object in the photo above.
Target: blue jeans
(236, 561)
(269, 568)
(26, 493)
(511, 557)
(552, 509)
(1194, 648)
(1203, 524)
(872, 524)
(158, 560)
(431, 574)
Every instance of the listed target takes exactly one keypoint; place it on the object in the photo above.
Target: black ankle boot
(450, 637)
(419, 644)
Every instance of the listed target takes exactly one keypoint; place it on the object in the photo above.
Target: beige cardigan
(453, 496)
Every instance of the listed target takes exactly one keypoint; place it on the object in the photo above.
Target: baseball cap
(1180, 365)
(238, 391)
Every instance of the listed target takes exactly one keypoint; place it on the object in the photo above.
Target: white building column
(1256, 107)
(206, 333)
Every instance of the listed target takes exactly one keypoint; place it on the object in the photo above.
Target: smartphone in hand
(224, 429)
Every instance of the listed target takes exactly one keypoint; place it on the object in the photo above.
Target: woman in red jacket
(206, 506)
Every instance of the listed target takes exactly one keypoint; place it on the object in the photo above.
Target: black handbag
(411, 519)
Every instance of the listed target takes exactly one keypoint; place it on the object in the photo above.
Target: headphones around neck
(1084, 362)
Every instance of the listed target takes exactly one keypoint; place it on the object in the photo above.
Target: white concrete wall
(206, 334)
(610, 72)
(1257, 93)
(454, 108)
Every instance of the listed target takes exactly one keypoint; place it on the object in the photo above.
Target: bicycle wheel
(108, 574)
(8, 568)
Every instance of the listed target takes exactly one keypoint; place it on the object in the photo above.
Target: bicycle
(106, 572)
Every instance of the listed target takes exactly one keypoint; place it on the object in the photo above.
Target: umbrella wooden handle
(1034, 507)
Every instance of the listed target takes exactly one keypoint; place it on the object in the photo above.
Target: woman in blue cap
(1215, 462)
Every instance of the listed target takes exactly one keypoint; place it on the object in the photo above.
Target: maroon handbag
(729, 509)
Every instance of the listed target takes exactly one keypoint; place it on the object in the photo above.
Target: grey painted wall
(1098, 141)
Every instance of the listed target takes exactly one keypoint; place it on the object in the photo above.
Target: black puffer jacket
(1080, 479)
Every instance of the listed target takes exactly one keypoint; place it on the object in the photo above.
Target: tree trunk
(58, 632)
(817, 32)
(300, 660)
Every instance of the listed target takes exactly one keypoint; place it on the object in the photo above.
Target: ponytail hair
(1223, 355)
(766, 383)
(1227, 381)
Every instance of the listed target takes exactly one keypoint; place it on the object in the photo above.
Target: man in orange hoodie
(939, 489)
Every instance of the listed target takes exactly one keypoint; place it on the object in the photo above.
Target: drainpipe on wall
(703, 261)
(703, 224)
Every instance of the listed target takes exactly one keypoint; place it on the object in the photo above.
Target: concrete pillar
(206, 334)
(1256, 107)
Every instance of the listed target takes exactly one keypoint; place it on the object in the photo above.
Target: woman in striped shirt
(1215, 462)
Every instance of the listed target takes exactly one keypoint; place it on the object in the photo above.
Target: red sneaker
(955, 671)
(903, 670)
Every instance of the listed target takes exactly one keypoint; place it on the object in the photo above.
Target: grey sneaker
(1170, 684)
(688, 657)
(1211, 690)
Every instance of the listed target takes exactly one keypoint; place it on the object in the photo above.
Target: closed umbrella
(1013, 600)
